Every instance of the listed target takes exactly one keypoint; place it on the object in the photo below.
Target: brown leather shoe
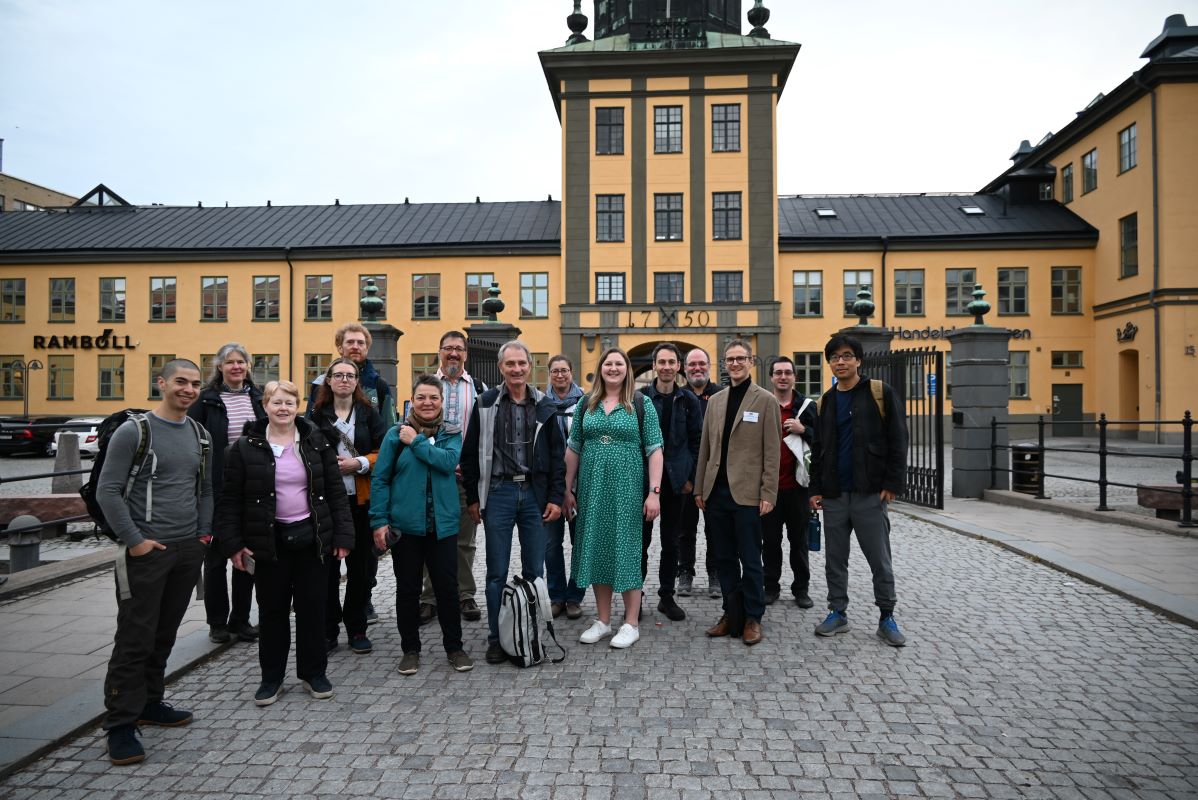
(721, 628)
(752, 634)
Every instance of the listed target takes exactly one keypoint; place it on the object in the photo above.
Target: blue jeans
(511, 505)
(560, 591)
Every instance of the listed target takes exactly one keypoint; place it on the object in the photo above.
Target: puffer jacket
(245, 516)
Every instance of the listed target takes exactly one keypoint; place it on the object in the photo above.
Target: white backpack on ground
(524, 618)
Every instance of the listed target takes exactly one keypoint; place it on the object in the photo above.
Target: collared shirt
(515, 427)
(460, 395)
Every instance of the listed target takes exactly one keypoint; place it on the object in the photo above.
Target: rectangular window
(958, 286)
(426, 296)
(1129, 246)
(1066, 359)
(540, 370)
(668, 287)
(12, 300)
(266, 298)
(265, 368)
(908, 292)
(609, 287)
(1017, 372)
(157, 362)
(1067, 183)
(915, 382)
(725, 215)
(534, 295)
(854, 280)
(609, 131)
(808, 293)
(60, 378)
(318, 297)
(12, 381)
(207, 363)
(1090, 171)
(809, 374)
(62, 299)
(380, 283)
(111, 377)
(1046, 190)
(667, 217)
(315, 365)
(1012, 290)
(112, 299)
(1066, 290)
(214, 299)
(667, 129)
(609, 217)
(725, 128)
(726, 287)
(477, 284)
(162, 299)
(424, 363)
(1127, 148)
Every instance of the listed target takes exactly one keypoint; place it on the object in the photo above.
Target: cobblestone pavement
(1018, 682)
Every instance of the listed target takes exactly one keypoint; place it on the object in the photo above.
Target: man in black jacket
(681, 420)
(859, 467)
(698, 366)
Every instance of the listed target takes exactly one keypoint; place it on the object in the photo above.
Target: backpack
(141, 456)
(522, 606)
(875, 388)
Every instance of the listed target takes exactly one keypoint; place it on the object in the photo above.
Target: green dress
(610, 497)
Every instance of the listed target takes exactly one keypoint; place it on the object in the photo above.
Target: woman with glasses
(564, 596)
(351, 424)
(609, 442)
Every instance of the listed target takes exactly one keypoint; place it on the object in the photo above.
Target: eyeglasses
(344, 376)
(453, 349)
(832, 359)
(559, 372)
(735, 359)
(784, 373)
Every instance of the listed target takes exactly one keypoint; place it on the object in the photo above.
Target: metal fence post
(1040, 447)
(1102, 423)
(1187, 470)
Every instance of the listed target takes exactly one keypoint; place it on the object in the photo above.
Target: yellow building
(670, 228)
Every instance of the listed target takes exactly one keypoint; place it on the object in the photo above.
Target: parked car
(28, 434)
(89, 435)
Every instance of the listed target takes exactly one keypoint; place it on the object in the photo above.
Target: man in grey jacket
(162, 518)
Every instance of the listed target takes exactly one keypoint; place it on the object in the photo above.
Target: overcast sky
(372, 101)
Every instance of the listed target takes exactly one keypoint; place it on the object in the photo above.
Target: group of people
(290, 498)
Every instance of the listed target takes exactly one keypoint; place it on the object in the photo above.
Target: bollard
(67, 458)
(23, 547)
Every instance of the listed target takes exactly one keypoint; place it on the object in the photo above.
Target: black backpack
(143, 455)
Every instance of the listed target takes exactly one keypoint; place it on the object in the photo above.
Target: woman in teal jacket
(414, 510)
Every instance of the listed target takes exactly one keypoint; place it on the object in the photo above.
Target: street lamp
(25, 367)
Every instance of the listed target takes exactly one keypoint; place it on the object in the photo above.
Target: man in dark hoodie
(564, 595)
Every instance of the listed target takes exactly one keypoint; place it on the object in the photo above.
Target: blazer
(754, 448)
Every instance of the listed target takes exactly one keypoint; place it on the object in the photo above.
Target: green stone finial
(864, 306)
(979, 307)
(493, 306)
(372, 305)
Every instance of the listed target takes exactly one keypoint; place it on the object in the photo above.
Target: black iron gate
(917, 376)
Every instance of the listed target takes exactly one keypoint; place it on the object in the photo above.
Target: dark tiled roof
(160, 228)
(922, 218)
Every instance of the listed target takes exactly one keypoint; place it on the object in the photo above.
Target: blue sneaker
(836, 622)
(888, 631)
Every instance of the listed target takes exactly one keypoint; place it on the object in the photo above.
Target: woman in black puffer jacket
(283, 511)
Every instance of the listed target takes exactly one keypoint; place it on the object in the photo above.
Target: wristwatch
(656, 490)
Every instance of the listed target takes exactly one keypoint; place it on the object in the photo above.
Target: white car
(88, 430)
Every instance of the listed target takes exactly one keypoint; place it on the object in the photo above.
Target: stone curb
(57, 572)
(1020, 500)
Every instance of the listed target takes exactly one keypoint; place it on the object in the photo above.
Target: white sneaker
(627, 637)
(597, 631)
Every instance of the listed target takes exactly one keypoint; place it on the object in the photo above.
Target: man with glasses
(736, 483)
(798, 419)
(698, 366)
(564, 594)
(859, 466)
(461, 390)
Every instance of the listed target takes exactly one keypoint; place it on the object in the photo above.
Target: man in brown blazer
(736, 483)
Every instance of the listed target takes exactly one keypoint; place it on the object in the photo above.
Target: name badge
(750, 416)
(277, 449)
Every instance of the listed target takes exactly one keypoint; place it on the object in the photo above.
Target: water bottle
(813, 532)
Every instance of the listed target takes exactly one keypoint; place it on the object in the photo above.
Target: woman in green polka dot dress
(605, 454)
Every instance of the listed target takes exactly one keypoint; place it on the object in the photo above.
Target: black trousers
(147, 623)
(409, 557)
(216, 591)
(357, 580)
(735, 531)
(301, 578)
(793, 512)
(671, 523)
(688, 539)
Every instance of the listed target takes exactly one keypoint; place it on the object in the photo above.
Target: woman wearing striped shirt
(228, 402)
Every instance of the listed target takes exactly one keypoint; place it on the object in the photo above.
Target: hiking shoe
(804, 601)
(671, 609)
(495, 654)
(627, 637)
(888, 631)
(217, 634)
(597, 631)
(772, 597)
(409, 663)
(245, 631)
(360, 644)
(123, 747)
(460, 661)
(319, 687)
(836, 622)
(372, 616)
(164, 715)
(685, 584)
(470, 610)
(573, 610)
(428, 613)
(268, 692)
(713, 586)
(556, 609)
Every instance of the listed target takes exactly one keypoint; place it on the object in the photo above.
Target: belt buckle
(605, 439)
(519, 478)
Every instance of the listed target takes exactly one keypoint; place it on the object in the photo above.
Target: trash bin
(1026, 467)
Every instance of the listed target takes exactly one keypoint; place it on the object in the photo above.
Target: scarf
(427, 427)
